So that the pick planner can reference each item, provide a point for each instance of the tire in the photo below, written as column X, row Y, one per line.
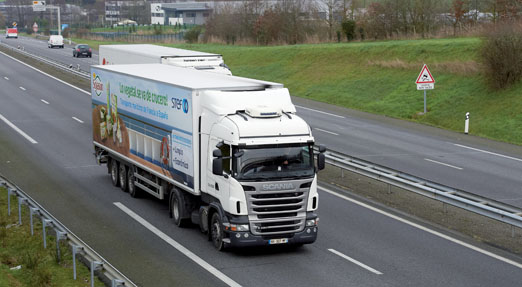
column 178, row 208
column 114, row 172
column 216, row 232
column 133, row 190
column 122, row 172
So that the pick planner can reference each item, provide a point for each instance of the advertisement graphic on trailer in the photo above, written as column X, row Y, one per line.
column 136, row 118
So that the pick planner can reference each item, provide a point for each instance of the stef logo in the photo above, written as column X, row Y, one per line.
column 185, row 106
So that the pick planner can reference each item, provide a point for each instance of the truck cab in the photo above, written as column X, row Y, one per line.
column 260, row 169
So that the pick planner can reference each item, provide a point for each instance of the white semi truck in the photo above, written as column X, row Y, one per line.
column 152, row 54
column 228, row 153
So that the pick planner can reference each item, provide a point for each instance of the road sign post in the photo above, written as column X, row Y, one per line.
column 425, row 81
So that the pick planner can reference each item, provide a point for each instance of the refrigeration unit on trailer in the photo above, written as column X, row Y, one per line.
column 228, row 153
column 152, row 54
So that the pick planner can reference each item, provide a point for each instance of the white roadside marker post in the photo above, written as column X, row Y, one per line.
column 466, row 124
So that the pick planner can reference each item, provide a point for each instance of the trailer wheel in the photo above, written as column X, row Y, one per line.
column 133, row 190
column 123, row 177
column 114, row 172
column 177, row 208
column 216, row 232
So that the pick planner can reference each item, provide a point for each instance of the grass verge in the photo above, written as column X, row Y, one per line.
column 38, row 266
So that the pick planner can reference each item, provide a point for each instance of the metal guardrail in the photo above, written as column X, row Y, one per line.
column 462, row 199
column 65, row 67
column 106, row 272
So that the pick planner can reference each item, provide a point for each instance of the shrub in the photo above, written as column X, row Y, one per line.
column 501, row 53
column 192, row 35
column 348, row 29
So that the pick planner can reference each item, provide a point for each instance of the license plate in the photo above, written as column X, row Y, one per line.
column 278, row 241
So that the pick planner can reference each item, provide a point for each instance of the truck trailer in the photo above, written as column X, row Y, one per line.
column 228, row 153
column 153, row 54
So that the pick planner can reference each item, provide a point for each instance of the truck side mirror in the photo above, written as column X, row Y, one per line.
column 217, row 166
column 321, row 161
column 217, row 162
column 322, row 148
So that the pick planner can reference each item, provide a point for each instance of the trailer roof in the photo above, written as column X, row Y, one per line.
column 148, row 49
column 188, row 78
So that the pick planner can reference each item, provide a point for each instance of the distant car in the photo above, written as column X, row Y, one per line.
column 55, row 41
column 11, row 33
column 81, row 50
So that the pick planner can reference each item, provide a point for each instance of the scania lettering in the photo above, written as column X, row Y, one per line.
column 230, row 154
column 153, row 54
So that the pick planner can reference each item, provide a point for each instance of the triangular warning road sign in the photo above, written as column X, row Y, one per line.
column 425, row 76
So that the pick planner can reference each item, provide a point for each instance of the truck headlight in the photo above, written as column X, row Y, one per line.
column 236, row 227
column 312, row 222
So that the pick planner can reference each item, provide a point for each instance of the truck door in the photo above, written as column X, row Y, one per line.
column 217, row 185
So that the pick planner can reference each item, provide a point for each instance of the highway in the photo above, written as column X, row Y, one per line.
column 65, row 56
column 46, row 148
column 484, row 167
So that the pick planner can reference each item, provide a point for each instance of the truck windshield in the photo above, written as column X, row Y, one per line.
column 273, row 162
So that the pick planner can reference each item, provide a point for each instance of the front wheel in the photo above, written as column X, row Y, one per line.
column 216, row 231
column 114, row 172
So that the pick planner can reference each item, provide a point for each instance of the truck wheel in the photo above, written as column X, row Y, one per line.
column 216, row 232
column 177, row 208
column 133, row 190
column 114, row 172
column 123, row 177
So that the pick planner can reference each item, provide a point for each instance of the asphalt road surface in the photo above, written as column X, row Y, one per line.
column 479, row 166
column 46, row 148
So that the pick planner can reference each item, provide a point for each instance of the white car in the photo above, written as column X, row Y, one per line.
column 55, row 41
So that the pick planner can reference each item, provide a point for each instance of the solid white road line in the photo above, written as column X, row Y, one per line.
column 488, row 152
column 227, row 280
column 78, row 120
column 355, row 262
column 445, row 164
column 436, row 233
column 44, row 101
column 7, row 79
column 17, row 129
column 325, row 131
column 321, row 112
column 44, row 73
column 22, row 88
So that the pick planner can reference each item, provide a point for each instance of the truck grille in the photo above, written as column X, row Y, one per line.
column 277, row 212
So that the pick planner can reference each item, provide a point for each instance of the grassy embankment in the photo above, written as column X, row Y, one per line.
column 378, row 77
column 38, row 265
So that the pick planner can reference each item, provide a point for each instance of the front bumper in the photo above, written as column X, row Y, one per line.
column 245, row 239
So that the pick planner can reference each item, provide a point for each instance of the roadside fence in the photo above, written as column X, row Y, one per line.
column 97, row 264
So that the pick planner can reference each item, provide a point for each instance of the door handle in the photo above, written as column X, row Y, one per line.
column 216, row 186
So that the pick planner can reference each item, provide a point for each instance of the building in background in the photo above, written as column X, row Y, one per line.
column 180, row 13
